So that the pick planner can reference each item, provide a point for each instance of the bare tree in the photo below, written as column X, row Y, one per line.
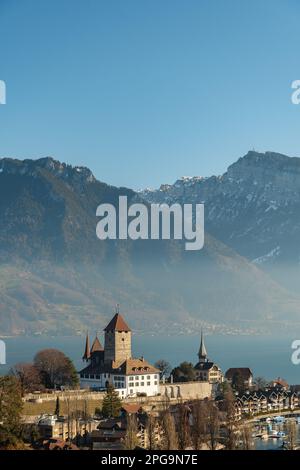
column 213, row 424
column 231, row 423
column 184, row 432
column 199, row 424
column 170, row 438
column 131, row 440
column 55, row 368
column 291, row 435
column 246, row 437
column 260, row 383
column 152, row 430
column 28, row 377
column 164, row 367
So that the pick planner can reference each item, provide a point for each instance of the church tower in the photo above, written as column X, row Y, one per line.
column 202, row 354
column 117, row 345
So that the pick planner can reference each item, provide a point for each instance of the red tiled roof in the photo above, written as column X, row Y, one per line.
column 97, row 346
column 135, row 367
column 117, row 324
column 131, row 408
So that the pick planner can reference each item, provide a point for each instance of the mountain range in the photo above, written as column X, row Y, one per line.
column 57, row 277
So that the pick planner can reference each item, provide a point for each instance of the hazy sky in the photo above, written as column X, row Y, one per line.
column 145, row 91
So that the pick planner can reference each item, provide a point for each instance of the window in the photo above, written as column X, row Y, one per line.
column 98, row 377
column 155, row 382
column 142, row 378
column 142, row 384
column 148, row 377
column 131, row 378
column 131, row 384
column 131, row 392
column 148, row 384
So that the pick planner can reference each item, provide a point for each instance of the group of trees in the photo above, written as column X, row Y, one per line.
column 205, row 424
column 185, row 372
column 50, row 369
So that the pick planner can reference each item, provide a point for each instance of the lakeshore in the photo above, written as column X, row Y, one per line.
column 267, row 356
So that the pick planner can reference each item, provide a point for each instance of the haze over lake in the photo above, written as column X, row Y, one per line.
column 266, row 356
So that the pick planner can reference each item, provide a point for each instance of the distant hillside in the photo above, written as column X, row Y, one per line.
column 57, row 277
column 254, row 207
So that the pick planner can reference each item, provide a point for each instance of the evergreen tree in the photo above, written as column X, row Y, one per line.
column 10, row 412
column 57, row 407
column 111, row 405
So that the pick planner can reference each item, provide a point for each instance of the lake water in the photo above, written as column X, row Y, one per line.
column 266, row 356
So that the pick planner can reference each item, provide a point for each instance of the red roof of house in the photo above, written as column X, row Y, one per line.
column 117, row 324
column 131, row 408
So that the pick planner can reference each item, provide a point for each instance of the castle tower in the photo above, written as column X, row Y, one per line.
column 202, row 354
column 97, row 352
column 117, row 346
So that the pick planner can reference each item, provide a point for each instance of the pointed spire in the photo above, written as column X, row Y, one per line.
column 202, row 351
column 96, row 346
column 87, row 351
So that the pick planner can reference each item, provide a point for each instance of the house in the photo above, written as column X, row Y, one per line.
column 240, row 374
column 109, row 435
column 60, row 427
column 114, row 364
column 58, row 444
column 111, row 432
column 279, row 383
column 269, row 400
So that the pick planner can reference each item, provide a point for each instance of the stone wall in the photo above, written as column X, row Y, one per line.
column 186, row 390
column 174, row 392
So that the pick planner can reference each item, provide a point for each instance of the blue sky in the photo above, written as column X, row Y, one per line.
column 143, row 92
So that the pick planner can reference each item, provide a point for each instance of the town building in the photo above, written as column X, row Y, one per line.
column 111, row 432
column 114, row 365
column 206, row 370
column 64, row 428
column 240, row 375
column 267, row 401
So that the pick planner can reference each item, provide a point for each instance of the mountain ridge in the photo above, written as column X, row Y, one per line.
column 57, row 277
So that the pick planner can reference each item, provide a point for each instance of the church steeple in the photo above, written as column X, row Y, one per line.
column 202, row 354
column 87, row 351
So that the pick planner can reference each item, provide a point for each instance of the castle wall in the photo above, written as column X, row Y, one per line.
column 186, row 390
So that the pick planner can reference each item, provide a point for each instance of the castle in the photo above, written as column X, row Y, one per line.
column 114, row 364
